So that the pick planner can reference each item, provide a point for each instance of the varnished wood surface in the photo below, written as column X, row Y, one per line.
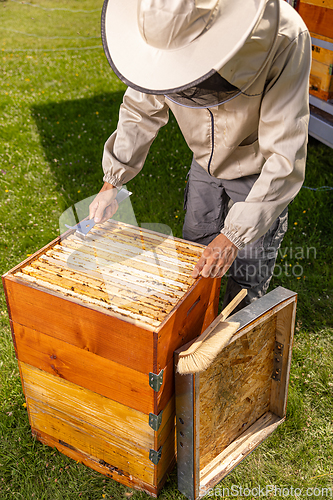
column 97, row 464
column 324, row 56
column 321, row 94
column 117, row 421
column 81, row 367
column 321, row 80
column 213, row 304
column 96, row 330
column 321, row 37
column 51, row 302
column 94, row 441
column 81, row 326
column 167, row 390
column 318, row 19
column 103, row 376
column 166, row 431
column 168, row 459
column 133, row 272
column 188, row 320
column 235, row 390
column 101, row 428
column 107, row 335
column 8, row 303
column 319, row 3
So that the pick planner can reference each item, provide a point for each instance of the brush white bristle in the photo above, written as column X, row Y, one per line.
column 205, row 354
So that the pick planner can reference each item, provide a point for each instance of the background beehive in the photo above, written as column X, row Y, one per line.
column 94, row 323
column 321, row 76
column 318, row 16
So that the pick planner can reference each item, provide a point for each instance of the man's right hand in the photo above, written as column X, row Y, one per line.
column 104, row 206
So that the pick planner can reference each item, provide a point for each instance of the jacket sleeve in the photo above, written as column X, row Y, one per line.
column 140, row 118
column 282, row 135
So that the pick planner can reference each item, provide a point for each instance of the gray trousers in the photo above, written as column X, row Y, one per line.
column 207, row 201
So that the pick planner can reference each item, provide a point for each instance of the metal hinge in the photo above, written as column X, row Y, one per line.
column 277, row 361
column 156, row 381
column 155, row 420
column 155, row 456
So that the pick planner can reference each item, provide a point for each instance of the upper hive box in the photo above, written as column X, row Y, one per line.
column 95, row 324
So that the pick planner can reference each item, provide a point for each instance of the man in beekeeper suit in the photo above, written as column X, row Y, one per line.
column 235, row 75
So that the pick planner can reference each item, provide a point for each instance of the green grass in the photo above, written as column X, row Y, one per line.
column 59, row 102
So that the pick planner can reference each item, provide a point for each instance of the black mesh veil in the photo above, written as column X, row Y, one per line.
column 211, row 92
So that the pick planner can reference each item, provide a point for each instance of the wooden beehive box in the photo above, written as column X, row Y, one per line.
column 321, row 76
column 226, row 411
column 317, row 15
column 95, row 324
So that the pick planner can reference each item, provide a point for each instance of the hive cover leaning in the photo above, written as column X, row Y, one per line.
column 95, row 324
column 226, row 411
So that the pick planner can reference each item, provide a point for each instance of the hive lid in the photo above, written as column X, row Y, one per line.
column 224, row 412
column 136, row 273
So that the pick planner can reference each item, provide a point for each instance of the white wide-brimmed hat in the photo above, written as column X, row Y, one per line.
column 165, row 46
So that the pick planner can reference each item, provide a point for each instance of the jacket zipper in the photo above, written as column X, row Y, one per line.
column 211, row 155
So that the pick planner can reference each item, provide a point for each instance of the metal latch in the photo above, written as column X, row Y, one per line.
column 156, row 381
column 155, row 456
column 155, row 420
column 277, row 361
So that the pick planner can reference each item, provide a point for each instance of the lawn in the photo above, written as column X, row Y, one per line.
column 58, row 104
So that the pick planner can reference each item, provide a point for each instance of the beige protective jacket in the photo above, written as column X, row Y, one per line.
column 262, row 131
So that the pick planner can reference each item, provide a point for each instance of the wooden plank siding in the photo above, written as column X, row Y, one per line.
column 318, row 19
column 104, row 430
column 91, row 321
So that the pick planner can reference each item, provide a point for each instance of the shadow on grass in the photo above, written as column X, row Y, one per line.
column 73, row 134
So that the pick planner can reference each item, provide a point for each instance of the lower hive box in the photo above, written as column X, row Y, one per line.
column 95, row 324
column 226, row 411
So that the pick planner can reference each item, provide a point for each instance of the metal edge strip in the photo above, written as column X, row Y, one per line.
column 269, row 301
column 185, row 421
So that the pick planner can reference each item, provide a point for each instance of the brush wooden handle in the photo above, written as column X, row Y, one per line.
column 234, row 303
column 224, row 314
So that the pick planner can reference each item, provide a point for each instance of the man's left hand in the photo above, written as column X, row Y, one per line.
column 216, row 258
